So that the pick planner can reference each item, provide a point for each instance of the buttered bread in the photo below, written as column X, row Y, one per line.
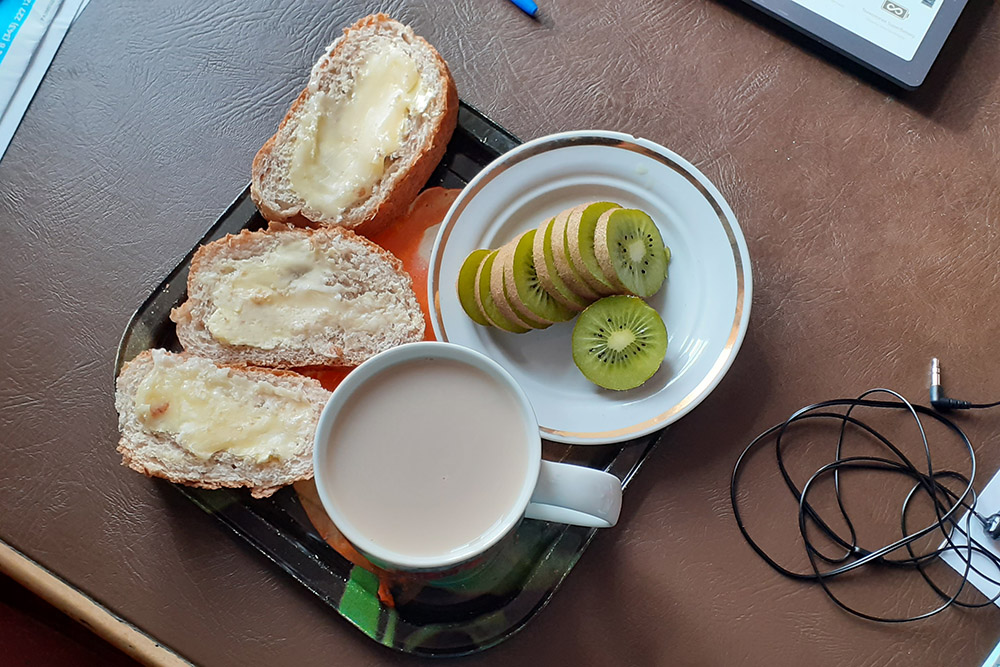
column 290, row 297
column 362, row 139
column 190, row 420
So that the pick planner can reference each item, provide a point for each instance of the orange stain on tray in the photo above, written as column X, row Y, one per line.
column 412, row 239
column 328, row 377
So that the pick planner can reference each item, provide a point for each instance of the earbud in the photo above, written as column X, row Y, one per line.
column 992, row 526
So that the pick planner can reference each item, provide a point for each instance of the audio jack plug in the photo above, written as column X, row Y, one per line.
column 942, row 403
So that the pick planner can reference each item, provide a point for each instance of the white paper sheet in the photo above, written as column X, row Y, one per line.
column 23, row 24
column 15, row 95
column 994, row 658
column 988, row 503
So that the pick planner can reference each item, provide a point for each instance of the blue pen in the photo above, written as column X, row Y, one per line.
column 526, row 6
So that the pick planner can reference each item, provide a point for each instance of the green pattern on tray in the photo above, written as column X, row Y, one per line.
column 449, row 617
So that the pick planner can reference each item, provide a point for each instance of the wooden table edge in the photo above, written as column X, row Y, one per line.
column 86, row 611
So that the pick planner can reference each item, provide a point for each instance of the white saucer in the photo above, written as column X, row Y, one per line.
column 705, row 302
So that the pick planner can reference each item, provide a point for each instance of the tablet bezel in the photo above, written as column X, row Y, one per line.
column 907, row 73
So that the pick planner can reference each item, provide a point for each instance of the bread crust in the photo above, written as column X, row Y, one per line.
column 397, row 189
column 159, row 455
column 343, row 349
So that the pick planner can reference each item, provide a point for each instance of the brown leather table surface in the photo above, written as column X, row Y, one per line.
column 872, row 221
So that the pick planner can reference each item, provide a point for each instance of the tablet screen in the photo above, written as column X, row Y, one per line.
column 898, row 26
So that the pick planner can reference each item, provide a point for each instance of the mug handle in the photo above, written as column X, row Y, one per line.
column 575, row 495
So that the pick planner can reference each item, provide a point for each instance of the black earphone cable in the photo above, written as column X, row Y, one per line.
column 928, row 483
column 980, row 406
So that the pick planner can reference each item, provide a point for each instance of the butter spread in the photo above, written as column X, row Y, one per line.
column 290, row 293
column 207, row 409
column 341, row 143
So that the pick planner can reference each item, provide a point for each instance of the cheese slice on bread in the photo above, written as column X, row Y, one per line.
column 189, row 420
column 291, row 297
column 362, row 139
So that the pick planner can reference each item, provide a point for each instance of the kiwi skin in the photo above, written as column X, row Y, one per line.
column 531, row 301
column 619, row 342
column 581, row 245
column 466, row 287
column 548, row 276
column 561, row 258
column 510, row 284
column 500, row 290
column 484, row 297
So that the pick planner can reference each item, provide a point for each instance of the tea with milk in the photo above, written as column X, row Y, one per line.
column 428, row 457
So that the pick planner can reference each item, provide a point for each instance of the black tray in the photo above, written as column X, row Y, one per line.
column 454, row 617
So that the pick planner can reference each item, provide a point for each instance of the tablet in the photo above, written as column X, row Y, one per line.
column 898, row 39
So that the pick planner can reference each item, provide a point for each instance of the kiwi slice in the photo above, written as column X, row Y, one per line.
column 501, row 288
column 630, row 250
column 467, row 286
column 484, row 297
column 528, row 295
column 580, row 240
column 619, row 342
column 562, row 260
column 541, row 251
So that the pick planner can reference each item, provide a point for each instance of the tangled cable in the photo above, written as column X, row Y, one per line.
column 928, row 483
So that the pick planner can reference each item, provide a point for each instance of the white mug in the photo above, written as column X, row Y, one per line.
column 411, row 492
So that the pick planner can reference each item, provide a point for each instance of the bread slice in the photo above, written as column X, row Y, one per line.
column 291, row 402
column 361, row 140
column 290, row 297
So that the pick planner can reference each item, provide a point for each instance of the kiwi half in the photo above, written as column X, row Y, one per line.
column 580, row 228
column 526, row 292
column 562, row 260
column 467, row 286
column 501, row 289
column 484, row 297
column 630, row 250
column 619, row 342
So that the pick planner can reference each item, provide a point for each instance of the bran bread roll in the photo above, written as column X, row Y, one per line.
column 361, row 140
column 291, row 297
column 191, row 421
